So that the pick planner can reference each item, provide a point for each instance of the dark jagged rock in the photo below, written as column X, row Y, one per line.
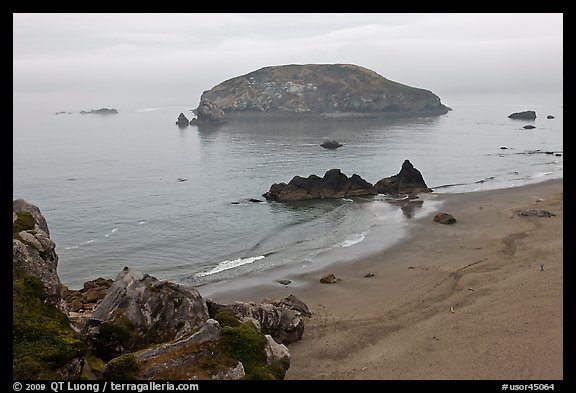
column 330, row 279
column 525, row 115
column 101, row 111
column 444, row 218
column 320, row 90
column 208, row 112
column 333, row 185
column 139, row 309
column 408, row 181
column 331, row 144
column 182, row 120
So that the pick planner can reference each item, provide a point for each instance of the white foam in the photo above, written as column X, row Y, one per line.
column 111, row 232
column 354, row 239
column 226, row 265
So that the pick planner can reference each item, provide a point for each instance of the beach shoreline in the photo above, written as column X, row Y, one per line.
column 478, row 299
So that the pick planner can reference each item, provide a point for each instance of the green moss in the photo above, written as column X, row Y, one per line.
column 24, row 222
column 246, row 344
column 43, row 340
column 226, row 318
column 124, row 367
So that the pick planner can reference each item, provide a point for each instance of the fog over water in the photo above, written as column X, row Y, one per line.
column 82, row 61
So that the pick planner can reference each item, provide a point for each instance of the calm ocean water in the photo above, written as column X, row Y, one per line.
column 109, row 185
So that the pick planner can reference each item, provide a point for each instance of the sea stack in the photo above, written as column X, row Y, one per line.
column 319, row 90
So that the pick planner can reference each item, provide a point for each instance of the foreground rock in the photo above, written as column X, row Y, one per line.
column 136, row 327
column 140, row 310
column 525, row 115
column 408, row 181
column 320, row 89
column 43, row 343
column 334, row 184
column 283, row 319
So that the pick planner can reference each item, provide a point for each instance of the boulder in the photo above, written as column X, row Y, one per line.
column 408, row 181
column 529, row 127
column 525, row 115
column 444, row 218
column 330, row 279
column 280, row 319
column 139, row 310
column 333, row 185
column 550, row 117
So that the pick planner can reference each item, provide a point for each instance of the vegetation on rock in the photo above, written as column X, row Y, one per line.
column 43, row 341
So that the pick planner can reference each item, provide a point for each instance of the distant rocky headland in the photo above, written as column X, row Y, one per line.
column 101, row 111
column 323, row 90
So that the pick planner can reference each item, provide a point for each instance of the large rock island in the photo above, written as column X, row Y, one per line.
column 320, row 89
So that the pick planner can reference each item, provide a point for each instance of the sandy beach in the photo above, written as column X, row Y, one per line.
column 481, row 299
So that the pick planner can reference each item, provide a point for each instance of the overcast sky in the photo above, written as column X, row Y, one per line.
column 134, row 60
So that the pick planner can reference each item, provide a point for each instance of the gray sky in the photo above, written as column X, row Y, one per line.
column 85, row 61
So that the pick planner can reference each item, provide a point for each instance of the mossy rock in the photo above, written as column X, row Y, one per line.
column 246, row 344
column 226, row 318
column 124, row 367
column 24, row 222
column 43, row 341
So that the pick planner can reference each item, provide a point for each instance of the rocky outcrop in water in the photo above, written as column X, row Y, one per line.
column 408, row 181
column 333, row 185
column 525, row 115
column 182, row 120
column 101, row 111
column 319, row 89
column 331, row 145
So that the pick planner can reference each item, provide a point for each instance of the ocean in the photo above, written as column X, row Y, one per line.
column 133, row 189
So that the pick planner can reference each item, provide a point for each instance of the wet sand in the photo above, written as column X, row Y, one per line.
column 481, row 299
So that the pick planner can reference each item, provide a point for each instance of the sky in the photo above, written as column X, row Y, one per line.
column 127, row 61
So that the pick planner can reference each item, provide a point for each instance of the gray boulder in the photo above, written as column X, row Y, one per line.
column 139, row 310
column 283, row 323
